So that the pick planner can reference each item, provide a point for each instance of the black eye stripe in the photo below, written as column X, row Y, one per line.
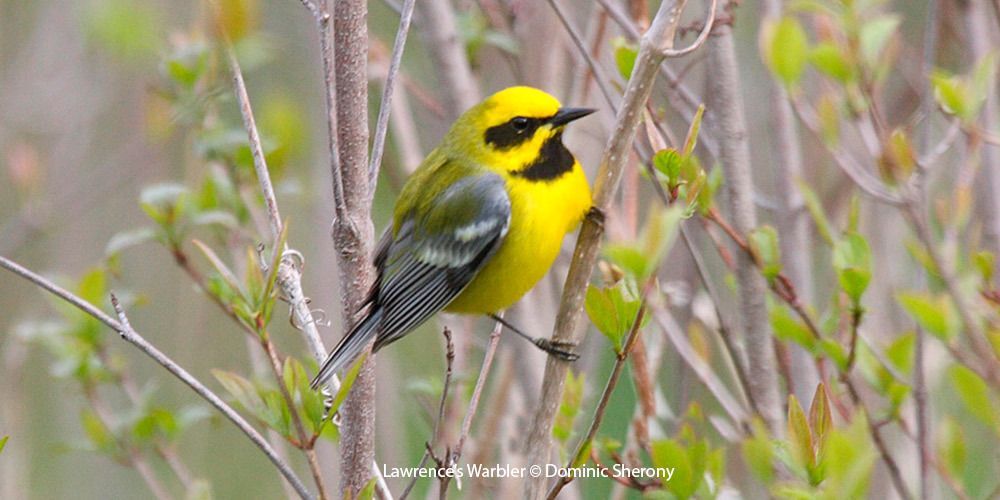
column 508, row 134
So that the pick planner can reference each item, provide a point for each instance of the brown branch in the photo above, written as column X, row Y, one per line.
column 657, row 40
column 353, row 234
column 382, row 122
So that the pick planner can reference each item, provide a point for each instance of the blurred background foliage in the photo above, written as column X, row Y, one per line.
column 125, row 167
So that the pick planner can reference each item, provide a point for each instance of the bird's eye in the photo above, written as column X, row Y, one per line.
column 520, row 123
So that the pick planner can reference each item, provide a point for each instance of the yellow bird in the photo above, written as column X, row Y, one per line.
column 478, row 224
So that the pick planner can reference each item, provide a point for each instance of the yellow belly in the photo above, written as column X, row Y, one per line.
column 541, row 215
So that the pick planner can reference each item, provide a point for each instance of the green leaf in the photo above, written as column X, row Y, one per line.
column 691, row 140
column 3, row 442
column 852, row 260
column 625, row 54
column 766, row 251
column 951, row 447
column 93, row 286
column 368, row 492
column 985, row 263
column 128, row 29
column 789, row 328
column 347, row 383
column 934, row 314
column 242, row 390
column 816, row 210
column 668, row 162
column 787, row 50
column 97, row 432
column 874, row 36
column 639, row 260
column 799, row 435
column 155, row 423
column 821, row 425
column 850, row 457
column 161, row 201
column 831, row 60
column 612, row 312
column 951, row 94
column 976, row 396
column 670, row 453
column 758, row 453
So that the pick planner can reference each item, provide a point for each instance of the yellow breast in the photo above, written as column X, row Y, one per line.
column 541, row 215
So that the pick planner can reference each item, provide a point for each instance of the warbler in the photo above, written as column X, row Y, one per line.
column 479, row 222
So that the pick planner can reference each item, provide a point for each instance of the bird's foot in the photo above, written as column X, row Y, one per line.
column 560, row 349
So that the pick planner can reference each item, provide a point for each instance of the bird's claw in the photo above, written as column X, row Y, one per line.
column 558, row 348
column 596, row 216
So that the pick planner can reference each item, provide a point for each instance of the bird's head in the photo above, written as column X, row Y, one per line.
column 513, row 129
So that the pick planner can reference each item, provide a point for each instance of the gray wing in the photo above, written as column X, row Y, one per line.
column 435, row 255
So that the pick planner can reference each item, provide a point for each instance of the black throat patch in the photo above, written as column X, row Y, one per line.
column 553, row 161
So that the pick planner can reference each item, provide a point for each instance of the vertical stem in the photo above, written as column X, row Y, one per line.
column 919, row 382
column 727, row 108
column 653, row 47
column 353, row 233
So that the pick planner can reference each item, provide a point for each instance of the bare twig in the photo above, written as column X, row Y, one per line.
column 657, row 40
column 382, row 123
column 133, row 337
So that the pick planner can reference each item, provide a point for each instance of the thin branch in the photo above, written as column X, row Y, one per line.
column 133, row 337
column 382, row 123
column 449, row 362
column 491, row 349
column 919, row 380
column 602, row 405
column 895, row 476
column 698, row 42
column 657, row 40
column 305, row 439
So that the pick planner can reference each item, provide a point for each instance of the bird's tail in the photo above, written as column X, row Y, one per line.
column 349, row 347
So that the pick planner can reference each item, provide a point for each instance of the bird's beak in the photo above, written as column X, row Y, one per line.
column 566, row 115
